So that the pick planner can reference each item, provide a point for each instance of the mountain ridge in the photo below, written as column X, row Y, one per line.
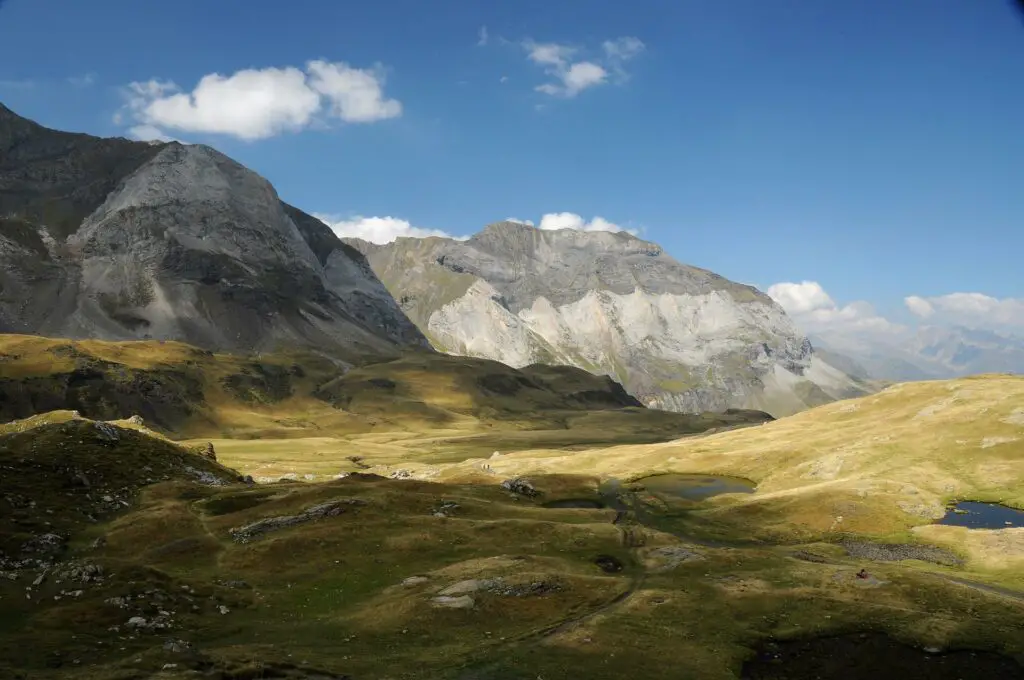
column 120, row 240
column 677, row 336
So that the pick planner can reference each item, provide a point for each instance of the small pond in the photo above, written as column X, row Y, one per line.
column 873, row 656
column 588, row 503
column 695, row 487
column 975, row 515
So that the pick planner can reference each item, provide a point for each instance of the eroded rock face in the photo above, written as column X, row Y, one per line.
column 677, row 337
column 113, row 239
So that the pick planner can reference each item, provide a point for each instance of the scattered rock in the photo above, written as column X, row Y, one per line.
column 520, row 486
column 208, row 451
column 137, row 420
column 445, row 509
column 808, row 556
column 236, row 585
column 414, row 580
column 669, row 557
column 926, row 510
column 893, row 552
column 1015, row 418
column 400, row 474
column 328, row 509
column 530, row 589
column 105, row 432
column 989, row 442
column 469, row 586
column 204, row 477
column 461, row 602
column 609, row 564
column 47, row 544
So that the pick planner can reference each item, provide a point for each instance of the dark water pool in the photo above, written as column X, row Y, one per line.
column 695, row 487
column 588, row 503
column 975, row 515
column 873, row 656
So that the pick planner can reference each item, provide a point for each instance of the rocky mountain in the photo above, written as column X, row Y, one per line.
column 115, row 239
column 677, row 337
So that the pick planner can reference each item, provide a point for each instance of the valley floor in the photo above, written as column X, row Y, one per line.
column 519, row 554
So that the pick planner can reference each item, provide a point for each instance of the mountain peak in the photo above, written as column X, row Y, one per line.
column 511, row 234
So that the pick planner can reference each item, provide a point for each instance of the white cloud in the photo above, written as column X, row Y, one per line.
column 800, row 298
column 918, row 306
column 379, row 229
column 814, row 310
column 572, row 77
column 623, row 49
column 353, row 95
column 548, row 54
column 568, row 220
column 528, row 223
column 482, row 37
column 258, row 103
column 974, row 310
column 503, row 79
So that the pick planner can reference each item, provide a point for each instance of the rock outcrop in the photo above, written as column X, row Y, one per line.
column 677, row 337
column 114, row 239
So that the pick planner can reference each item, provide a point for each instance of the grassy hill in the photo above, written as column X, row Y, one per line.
column 426, row 405
column 884, row 466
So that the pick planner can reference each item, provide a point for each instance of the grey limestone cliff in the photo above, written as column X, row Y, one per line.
column 114, row 239
column 678, row 337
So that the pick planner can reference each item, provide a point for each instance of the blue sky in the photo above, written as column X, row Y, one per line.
column 874, row 149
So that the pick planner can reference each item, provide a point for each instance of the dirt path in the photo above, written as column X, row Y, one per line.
column 984, row 587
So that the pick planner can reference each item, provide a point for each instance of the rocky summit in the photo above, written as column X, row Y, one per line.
column 115, row 239
column 676, row 336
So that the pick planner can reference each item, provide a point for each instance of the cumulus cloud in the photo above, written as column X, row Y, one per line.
column 800, row 298
column 568, row 220
column 379, row 229
column 259, row 103
column 974, row 310
column 814, row 310
column 918, row 306
column 572, row 76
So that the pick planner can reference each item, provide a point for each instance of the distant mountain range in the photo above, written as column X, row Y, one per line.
column 929, row 352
